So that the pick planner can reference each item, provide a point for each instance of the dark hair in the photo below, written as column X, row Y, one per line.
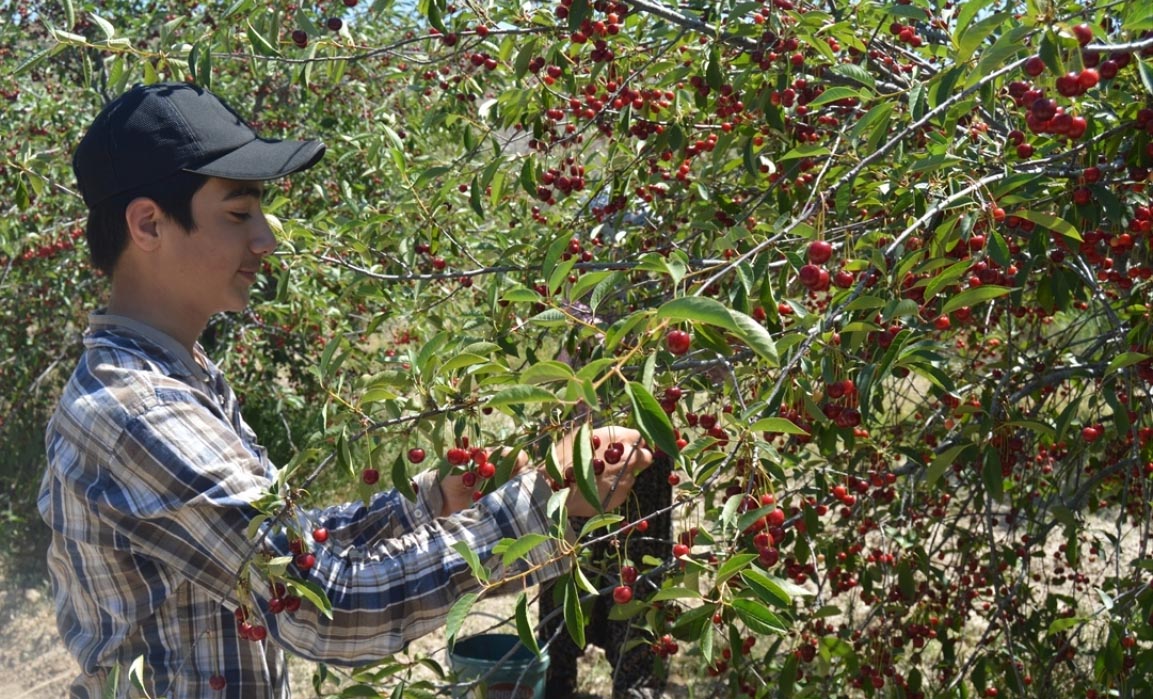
column 107, row 229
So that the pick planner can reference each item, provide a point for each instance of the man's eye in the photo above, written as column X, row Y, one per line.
column 241, row 215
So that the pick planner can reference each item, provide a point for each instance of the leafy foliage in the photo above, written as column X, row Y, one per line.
column 909, row 243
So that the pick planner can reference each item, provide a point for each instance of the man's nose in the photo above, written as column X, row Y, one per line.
column 264, row 238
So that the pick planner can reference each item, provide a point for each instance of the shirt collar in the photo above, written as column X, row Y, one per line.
column 101, row 321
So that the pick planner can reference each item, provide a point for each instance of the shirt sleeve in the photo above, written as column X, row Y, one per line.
column 183, row 497
column 388, row 514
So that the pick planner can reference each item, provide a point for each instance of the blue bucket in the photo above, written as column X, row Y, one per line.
column 481, row 659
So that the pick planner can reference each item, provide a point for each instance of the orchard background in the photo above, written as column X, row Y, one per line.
column 875, row 275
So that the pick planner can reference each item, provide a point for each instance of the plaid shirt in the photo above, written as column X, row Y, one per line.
column 148, row 489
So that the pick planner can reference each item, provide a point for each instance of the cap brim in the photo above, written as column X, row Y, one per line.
column 262, row 159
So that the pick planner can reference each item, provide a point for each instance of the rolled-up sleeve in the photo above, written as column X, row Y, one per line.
column 391, row 573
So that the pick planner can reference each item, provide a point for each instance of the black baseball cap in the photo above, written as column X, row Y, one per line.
column 153, row 131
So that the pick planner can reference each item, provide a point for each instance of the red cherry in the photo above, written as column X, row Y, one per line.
column 320, row 535
column 1077, row 126
column 1090, row 434
column 217, row 682
column 622, row 594
column 1034, row 66
column 305, row 561
column 1084, row 33
column 370, row 476
column 416, row 455
column 820, row 251
column 678, row 342
column 486, row 470
column 809, row 276
column 628, row 575
column 457, row 456
column 680, row 550
column 1088, row 78
column 1068, row 85
column 257, row 633
column 1082, row 196
column 300, row 38
column 334, row 24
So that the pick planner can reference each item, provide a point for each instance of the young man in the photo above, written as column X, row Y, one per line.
column 152, row 470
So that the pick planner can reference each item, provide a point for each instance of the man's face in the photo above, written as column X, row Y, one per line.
column 213, row 267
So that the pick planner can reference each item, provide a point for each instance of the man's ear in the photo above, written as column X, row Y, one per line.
column 143, row 217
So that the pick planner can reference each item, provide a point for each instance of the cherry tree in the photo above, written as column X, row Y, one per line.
column 874, row 277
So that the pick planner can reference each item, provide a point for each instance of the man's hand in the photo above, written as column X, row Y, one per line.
column 458, row 496
column 616, row 481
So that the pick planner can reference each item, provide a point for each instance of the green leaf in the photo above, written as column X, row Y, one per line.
column 463, row 360
column 400, row 479
column 520, row 394
column 675, row 593
column 1145, row 70
column 834, row 94
column 735, row 564
column 204, row 67
column 713, row 76
column 805, row 151
column 238, row 6
column 698, row 308
column 1139, row 18
column 1049, row 49
column 574, row 618
column 545, row 371
column 474, row 195
column 310, row 591
column 136, row 672
column 586, row 480
column 767, row 589
column 105, row 26
column 943, row 461
column 778, row 425
column 150, row 74
column 877, row 117
column 753, row 334
column 1066, row 623
column 856, row 73
column 652, row 421
column 458, row 613
column 600, row 521
column 974, row 296
column 344, row 454
column 1125, row 359
column 520, row 294
column 472, row 559
column 524, row 628
column 1009, row 45
column 1053, row 223
column 758, row 617
column 260, row 44
column 969, row 40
